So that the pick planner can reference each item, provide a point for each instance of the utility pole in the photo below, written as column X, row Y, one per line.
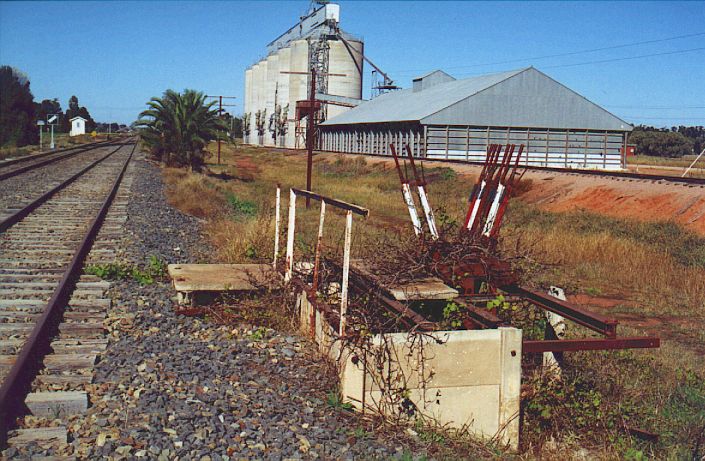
column 310, row 107
column 220, row 113
column 310, row 132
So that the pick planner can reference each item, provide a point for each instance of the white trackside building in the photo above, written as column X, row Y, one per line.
column 78, row 126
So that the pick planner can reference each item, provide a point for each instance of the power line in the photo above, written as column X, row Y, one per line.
column 601, row 61
column 654, row 107
column 624, row 59
column 571, row 53
column 664, row 118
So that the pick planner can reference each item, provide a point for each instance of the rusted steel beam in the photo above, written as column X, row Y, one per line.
column 363, row 283
column 481, row 317
column 334, row 202
column 596, row 322
column 367, row 285
column 589, row 344
column 301, row 286
column 18, row 381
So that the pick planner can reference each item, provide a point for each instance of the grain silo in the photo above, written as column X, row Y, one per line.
column 275, row 83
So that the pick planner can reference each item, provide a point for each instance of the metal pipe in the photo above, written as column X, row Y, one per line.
column 691, row 165
column 319, row 242
column 290, row 237
column 346, row 273
column 277, row 219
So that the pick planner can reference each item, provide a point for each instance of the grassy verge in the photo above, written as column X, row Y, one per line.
column 684, row 161
column 652, row 274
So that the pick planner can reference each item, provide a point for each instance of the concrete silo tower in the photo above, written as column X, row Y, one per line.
column 276, row 82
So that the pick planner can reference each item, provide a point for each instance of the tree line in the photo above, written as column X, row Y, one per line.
column 19, row 112
column 672, row 142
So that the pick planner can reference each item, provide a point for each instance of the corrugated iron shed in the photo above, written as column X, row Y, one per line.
column 520, row 98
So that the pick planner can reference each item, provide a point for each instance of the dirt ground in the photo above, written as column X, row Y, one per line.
column 616, row 197
column 624, row 198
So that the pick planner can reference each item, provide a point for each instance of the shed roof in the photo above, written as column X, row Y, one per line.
column 521, row 98
column 437, row 71
column 78, row 116
column 405, row 105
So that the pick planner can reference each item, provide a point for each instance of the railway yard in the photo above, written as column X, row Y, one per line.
column 110, row 369
column 385, row 235
column 166, row 386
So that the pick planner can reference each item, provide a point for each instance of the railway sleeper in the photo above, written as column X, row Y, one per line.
column 45, row 437
column 81, row 330
column 10, row 346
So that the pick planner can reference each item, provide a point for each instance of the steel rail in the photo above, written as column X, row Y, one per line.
column 27, row 158
column 596, row 322
column 585, row 172
column 367, row 284
column 75, row 151
column 18, row 381
column 20, row 214
column 331, row 201
column 589, row 344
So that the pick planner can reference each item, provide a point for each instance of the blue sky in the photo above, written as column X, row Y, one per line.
column 115, row 55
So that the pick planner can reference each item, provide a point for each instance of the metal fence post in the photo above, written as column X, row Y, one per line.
column 290, row 237
column 319, row 244
column 277, row 219
column 346, row 273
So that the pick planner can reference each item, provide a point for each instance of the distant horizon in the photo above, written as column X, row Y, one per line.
column 641, row 61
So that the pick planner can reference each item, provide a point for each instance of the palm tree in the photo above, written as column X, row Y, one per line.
column 178, row 126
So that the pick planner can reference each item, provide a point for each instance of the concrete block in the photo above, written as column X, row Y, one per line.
column 472, row 379
column 57, row 404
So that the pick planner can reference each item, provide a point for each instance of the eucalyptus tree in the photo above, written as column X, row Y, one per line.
column 177, row 127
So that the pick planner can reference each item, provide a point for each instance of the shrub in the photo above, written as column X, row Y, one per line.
column 240, row 207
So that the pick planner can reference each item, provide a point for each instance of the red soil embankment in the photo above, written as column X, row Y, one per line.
column 622, row 198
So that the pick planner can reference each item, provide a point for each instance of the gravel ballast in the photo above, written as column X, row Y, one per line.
column 177, row 387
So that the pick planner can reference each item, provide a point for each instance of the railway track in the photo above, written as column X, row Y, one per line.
column 617, row 175
column 51, row 315
column 17, row 166
column 38, row 178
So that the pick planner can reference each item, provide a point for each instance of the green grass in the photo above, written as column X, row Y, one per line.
column 684, row 161
column 684, row 246
column 334, row 401
column 154, row 269
column 239, row 207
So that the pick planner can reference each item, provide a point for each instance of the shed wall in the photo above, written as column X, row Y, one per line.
column 564, row 148
column 372, row 138
column 547, row 147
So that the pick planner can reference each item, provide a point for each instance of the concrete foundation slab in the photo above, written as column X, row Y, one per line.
column 199, row 282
